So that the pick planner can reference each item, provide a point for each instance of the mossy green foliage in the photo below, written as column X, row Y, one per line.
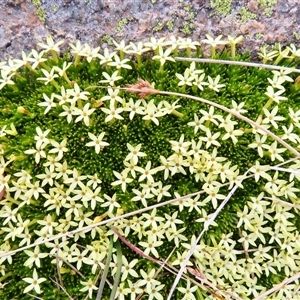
column 242, row 84
column 187, row 28
column 296, row 35
column 266, row 3
column 188, row 7
column 107, row 39
column 246, row 15
column 41, row 14
column 158, row 26
column 122, row 23
column 221, row 6
column 54, row 8
column 170, row 25
column 36, row 2
column 187, row 18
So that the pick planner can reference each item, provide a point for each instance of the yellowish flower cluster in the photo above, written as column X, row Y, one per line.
column 73, row 153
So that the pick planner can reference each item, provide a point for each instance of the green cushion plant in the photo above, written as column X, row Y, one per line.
column 127, row 173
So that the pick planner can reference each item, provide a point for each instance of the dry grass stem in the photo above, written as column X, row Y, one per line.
column 237, row 63
column 283, row 202
column 165, row 265
column 143, row 88
column 159, row 270
column 58, row 268
column 71, row 266
column 60, row 286
column 206, row 225
column 35, row 297
column 278, row 287
column 70, row 233
column 239, row 116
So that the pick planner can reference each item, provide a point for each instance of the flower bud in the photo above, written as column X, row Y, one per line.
column 297, row 83
column 23, row 110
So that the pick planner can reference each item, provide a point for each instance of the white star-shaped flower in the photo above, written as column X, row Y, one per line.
column 97, row 141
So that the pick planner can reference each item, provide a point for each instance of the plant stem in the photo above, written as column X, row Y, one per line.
column 239, row 116
column 238, row 63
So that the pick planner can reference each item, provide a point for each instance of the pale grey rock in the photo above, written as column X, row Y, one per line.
column 91, row 21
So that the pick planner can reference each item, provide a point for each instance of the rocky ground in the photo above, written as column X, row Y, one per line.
column 23, row 23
